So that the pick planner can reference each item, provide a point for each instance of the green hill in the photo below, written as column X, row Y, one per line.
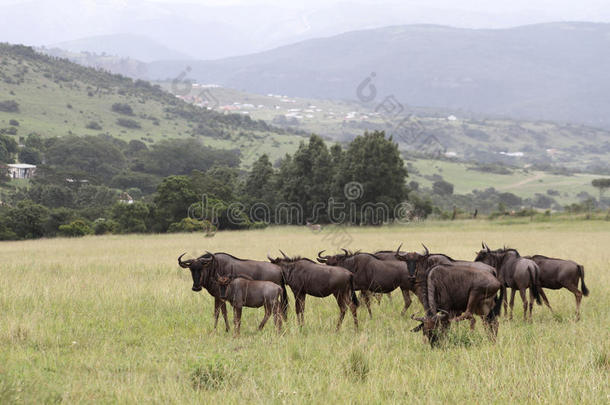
column 510, row 142
column 55, row 97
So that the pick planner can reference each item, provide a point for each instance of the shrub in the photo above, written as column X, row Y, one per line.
column 186, row 225
column 94, row 125
column 102, row 226
column 122, row 108
column 9, row 106
column 128, row 123
column 14, row 123
column 75, row 228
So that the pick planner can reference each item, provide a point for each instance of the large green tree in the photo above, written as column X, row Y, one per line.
column 371, row 172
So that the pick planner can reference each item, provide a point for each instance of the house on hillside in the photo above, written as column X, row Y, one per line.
column 21, row 170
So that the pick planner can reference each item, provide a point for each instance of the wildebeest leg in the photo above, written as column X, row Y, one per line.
column 491, row 327
column 366, row 297
column 341, row 298
column 237, row 319
column 524, row 299
column 512, row 302
column 216, row 311
column 531, row 305
column 578, row 295
column 268, row 309
column 299, row 304
column 278, row 316
column 546, row 301
column 505, row 300
column 407, row 297
column 354, row 310
column 223, row 309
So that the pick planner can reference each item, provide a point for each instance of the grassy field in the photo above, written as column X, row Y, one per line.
column 112, row 319
column 524, row 183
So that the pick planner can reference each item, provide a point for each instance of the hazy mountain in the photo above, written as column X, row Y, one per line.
column 556, row 71
column 243, row 26
column 124, row 45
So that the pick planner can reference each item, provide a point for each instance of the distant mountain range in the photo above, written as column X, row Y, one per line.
column 555, row 71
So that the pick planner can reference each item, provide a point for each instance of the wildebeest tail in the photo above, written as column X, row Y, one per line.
column 284, row 302
column 534, row 270
column 354, row 298
column 495, row 311
column 583, row 287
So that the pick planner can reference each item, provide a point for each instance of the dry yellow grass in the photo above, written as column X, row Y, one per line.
column 113, row 319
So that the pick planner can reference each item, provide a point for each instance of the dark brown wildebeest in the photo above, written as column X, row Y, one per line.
column 307, row 277
column 514, row 272
column 559, row 273
column 453, row 292
column 241, row 291
column 224, row 264
column 371, row 274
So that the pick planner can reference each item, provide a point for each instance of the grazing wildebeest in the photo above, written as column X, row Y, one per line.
column 371, row 274
column 453, row 292
column 307, row 277
column 224, row 264
column 242, row 291
column 559, row 273
column 514, row 272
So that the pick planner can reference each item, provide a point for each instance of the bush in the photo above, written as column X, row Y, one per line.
column 128, row 123
column 187, row 225
column 14, row 123
column 102, row 226
column 94, row 125
column 122, row 108
column 30, row 156
column 9, row 106
column 75, row 229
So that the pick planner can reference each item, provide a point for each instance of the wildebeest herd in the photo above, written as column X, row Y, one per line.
column 449, row 290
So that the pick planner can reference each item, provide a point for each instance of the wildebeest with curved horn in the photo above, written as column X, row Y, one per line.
column 514, row 272
column 371, row 274
column 453, row 292
column 559, row 273
column 224, row 264
column 305, row 277
column 242, row 291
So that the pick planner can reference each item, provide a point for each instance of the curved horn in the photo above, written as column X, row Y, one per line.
column 398, row 250
column 320, row 253
column 180, row 262
column 283, row 254
column 269, row 257
column 426, row 249
column 345, row 251
column 487, row 248
column 483, row 244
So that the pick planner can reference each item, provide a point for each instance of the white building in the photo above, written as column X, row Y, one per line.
column 21, row 170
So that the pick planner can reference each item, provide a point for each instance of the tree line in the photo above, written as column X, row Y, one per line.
column 100, row 184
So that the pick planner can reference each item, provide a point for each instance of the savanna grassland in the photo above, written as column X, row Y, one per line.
column 112, row 319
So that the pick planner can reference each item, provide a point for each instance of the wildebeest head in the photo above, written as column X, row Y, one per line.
column 199, row 268
column 430, row 325
column 334, row 260
column 414, row 260
column 487, row 256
